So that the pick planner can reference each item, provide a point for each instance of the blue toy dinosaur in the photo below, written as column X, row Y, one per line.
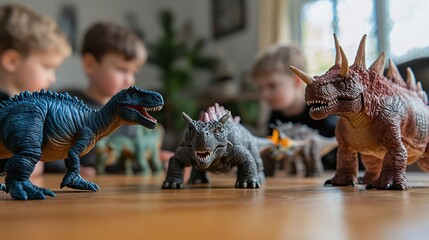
column 216, row 143
column 48, row 126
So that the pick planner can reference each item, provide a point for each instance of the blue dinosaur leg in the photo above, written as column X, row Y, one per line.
column 198, row 176
column 2, row 166
column 18, row 169
column 72, row 179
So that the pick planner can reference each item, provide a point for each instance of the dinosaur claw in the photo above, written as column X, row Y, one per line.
column 24, row 190
column 3, row 187
column 20, row 196
column 165, row 185
column 342, row 180
column 173, row 183
column 328, row 182
column 390, row 182
column 49, row 192
column 75, row 181
column 248, row 184
column 39, row 195
column 93, row 187
column 400, row 186
column 351, row 183
column 65, row 182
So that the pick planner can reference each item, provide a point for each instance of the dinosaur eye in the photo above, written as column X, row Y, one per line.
column 341, row 85
column 217, row 129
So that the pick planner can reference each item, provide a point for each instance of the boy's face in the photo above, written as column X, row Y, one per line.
column 112, row 73
column 279, row 90
column 37, row 71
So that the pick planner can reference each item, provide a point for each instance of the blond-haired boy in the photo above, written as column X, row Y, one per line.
column 31, row 48
column 284, row 91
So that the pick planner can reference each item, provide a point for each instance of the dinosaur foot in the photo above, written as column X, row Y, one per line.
column 389, row 182
column 248, row 183
column 368, row 178
column 3, row 187
column 75, row 181
column 173, row 183
column 342, row 180
column 24, row 190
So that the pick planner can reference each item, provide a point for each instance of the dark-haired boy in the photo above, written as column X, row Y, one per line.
column 111, row 55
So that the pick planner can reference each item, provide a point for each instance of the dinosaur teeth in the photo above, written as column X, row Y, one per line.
column 202, row 155
column 316, row 102
column 154, row 108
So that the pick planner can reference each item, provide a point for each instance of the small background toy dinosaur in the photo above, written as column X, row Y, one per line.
column 300, row 149
column 131, row 155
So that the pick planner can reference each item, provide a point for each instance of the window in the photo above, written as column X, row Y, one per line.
column 396, row 27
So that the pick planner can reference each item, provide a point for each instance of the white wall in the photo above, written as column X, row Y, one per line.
column 239, row 48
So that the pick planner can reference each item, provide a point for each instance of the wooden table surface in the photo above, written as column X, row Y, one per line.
column 134, row 207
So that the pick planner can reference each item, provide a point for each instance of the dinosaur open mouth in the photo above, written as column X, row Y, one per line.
column 144, row 111
column 202, row 155
column 320, row 105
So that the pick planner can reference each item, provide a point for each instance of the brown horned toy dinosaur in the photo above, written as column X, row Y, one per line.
column 385, row 119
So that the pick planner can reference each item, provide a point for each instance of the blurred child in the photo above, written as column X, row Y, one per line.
column 111, row 56
column 284, row 91
column 32, row 47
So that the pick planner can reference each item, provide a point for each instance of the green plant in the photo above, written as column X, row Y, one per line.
column 178, row 56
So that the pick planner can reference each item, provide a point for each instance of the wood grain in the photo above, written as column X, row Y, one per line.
column 286, row 208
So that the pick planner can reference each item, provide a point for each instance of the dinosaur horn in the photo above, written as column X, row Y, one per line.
column 225, row 117
column 393, row 73
column 360, row 56
column 423, row 95
column 337, row 51
column 378, row 65
column 419, row 86
column 344, row 64
column 304, row 76
column 411, row 79
column 186, row 118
